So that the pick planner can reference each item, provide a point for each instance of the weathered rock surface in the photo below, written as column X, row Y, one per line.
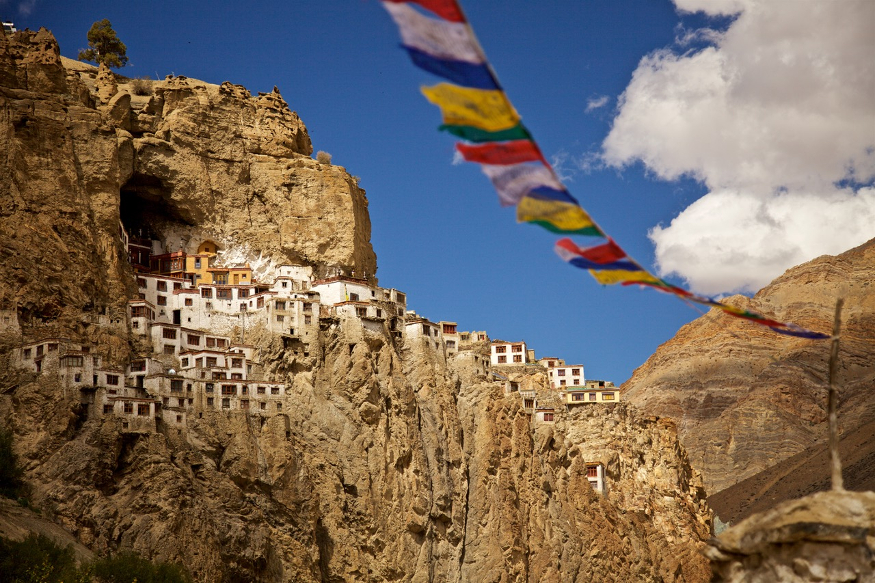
column 828, row 536
column 746, row 398
column 388, row 465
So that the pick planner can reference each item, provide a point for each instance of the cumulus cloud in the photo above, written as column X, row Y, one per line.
column 596, row 102
column 777, row 118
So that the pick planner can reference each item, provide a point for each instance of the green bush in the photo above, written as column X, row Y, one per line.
column 10, row 472
column 37, row 559
column 129, row 568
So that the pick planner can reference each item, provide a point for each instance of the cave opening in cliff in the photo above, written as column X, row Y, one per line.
column 147, row 208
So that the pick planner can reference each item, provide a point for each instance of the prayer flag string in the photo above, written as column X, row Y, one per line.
column 476, row 109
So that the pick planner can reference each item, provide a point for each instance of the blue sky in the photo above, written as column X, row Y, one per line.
column 437, row 228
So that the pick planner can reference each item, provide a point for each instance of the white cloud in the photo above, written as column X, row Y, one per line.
column 596, row 102
column 770, row 117
column 26, row 7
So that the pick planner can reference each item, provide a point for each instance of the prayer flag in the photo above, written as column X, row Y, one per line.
column 462, row 72
column 556, row 217
column 606, row 253
column 515, row 181
column 477, row 135
column 487, row 110
column 623, row 276
column 501, row 153
column 446, row 9
column 438, row 38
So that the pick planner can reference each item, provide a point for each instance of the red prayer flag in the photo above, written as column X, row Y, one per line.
column 501, row 153
column 446, row 9
column 607, row 253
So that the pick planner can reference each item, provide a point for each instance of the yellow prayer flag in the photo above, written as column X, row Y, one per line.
column 609, row 277
column 488, row 110
column 556, row 216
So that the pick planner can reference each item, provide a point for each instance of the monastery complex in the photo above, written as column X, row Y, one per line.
column 192, row 317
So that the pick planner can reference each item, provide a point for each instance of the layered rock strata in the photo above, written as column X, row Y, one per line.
column 746, row 398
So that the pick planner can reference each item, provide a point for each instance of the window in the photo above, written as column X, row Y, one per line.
column 188, row 387
column 562, row 383
column 242, row 306
column 223, row 294
column 528, row 403
column 361, row 312
column 285, row 284
column 107, row 408
column 280, row 318
column 189, row 302
column 177, row 285
column 279, row 406
column 274, row 390
column 73, row 360
column 197, row 262
column 576, row 381
column 502, row 359
column 211, row 361
column 262, row 406
column 592, row 396
column 517, row 348
column 220, row 343
column 236, row 363
column 575, row 372
column 452, row 344
column 77, row 378
column 208, row 387
column 169, row 333
column 607, row 396
column 244, row 404
column 517, row 357
column 280, row 305
column 592, row 471
column 179, row 418
column 218, row 376
column 226, row 403
column 560, row 372
column 194, row 340
column 162, row 285
column 548, row 416
column 578, row 397
column 141, row 282
column 39, row 350
column 308, row 306
column 236, row 376
column 27, row 353
column 206, row 292
column 129, row 408
column 210, row 401
column 176, row 385
column 260, row 390
column 308, row 319
column 185, row 362
column 112, row 379
column 229, row 389
column 353, row 297
column 180, row 402
column 449, row 329
column 500, row 349
column 242, row 293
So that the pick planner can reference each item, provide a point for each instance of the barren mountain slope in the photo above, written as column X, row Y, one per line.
column 746, row 398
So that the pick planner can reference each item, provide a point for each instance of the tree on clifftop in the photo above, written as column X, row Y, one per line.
column 104, row 46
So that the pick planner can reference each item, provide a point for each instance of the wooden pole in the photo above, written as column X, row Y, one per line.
column 837, row 482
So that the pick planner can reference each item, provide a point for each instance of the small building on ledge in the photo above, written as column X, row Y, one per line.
column 592, row 392
column 507, row 353
column 595, row 474
column 562, row 376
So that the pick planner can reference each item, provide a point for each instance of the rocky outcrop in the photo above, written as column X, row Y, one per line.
column 745, row 398
column 191, row 161
column 385, row 462
column 828, row 536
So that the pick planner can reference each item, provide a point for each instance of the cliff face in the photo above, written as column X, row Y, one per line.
column 191, row 161
column 745, row 398
column 385, row 462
